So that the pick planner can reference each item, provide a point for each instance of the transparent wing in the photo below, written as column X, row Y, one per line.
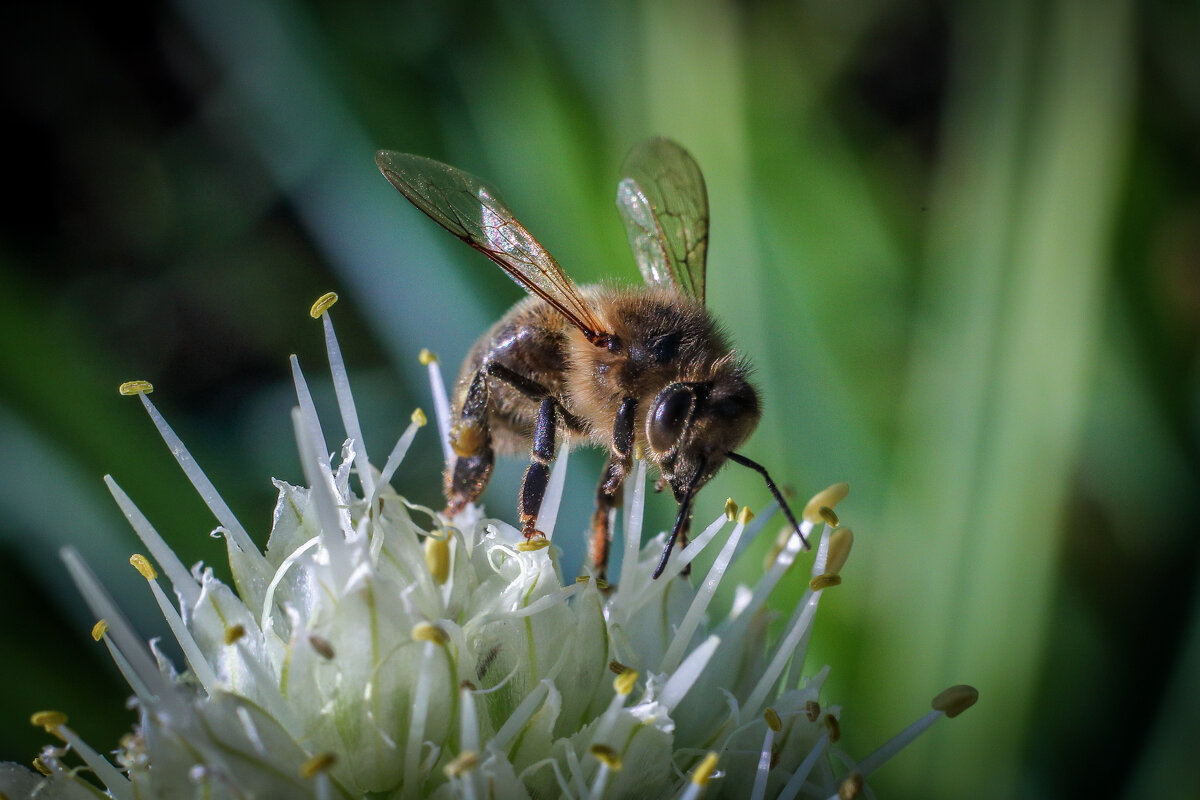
column 472, row 211
column 664, row 204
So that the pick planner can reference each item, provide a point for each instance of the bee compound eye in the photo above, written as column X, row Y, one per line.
column 668, row 416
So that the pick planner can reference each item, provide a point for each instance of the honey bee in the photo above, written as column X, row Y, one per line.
column 643, row 369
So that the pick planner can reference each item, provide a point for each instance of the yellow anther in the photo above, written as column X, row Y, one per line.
column 826, row 498
column 464, row 761
column 607, row 756
column 418, row 417
column 619, row 668
column 601, row 584
column 830, row 516
column 323, row 304
column 956, row 700
column 851, row 787
column 745, row 515
column 533, row 544
column 234, row 632
column 812, row 709
column 773, row 720
column 425, row 632
column 704, row 770
column 99, row 629
column 315, row 765
column 825, row 581
column 835, row 728
column 48, row 720
column 731, row 509
column 41, row 767
column 322, row 647
column 839, row 550
column 778, row 546
column 427, row 357
column 143, row 565
column 639, row 452
column 437, row 558
column 623, row 683
column 130, row 388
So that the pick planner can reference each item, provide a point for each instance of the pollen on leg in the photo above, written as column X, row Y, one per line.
column 466, row 439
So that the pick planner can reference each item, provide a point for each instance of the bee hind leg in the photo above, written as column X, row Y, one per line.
column 608, row 496
column 470, row 468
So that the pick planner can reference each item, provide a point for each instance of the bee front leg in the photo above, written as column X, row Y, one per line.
column 608, row 494
column 533, row 487
column 468, row 472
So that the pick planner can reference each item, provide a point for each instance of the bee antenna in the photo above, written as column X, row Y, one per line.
column 685, row 512
column 761, row 470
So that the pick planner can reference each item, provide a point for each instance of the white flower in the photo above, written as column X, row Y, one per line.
column 379, row 650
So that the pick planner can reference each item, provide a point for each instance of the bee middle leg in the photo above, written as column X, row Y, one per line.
column 608, row 493
column 537, row 476
column 470, row 439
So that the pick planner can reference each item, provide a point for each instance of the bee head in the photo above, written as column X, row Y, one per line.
column 692, row 426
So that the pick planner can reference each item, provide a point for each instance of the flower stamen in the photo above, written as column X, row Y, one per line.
column 774, row 725
column 827, row 498
column 317, row 764
column 131, row 388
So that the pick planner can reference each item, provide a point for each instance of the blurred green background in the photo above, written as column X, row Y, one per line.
column 961, row 242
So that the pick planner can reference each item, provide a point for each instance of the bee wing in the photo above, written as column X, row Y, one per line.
column 471, row 210
column 664, row 204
